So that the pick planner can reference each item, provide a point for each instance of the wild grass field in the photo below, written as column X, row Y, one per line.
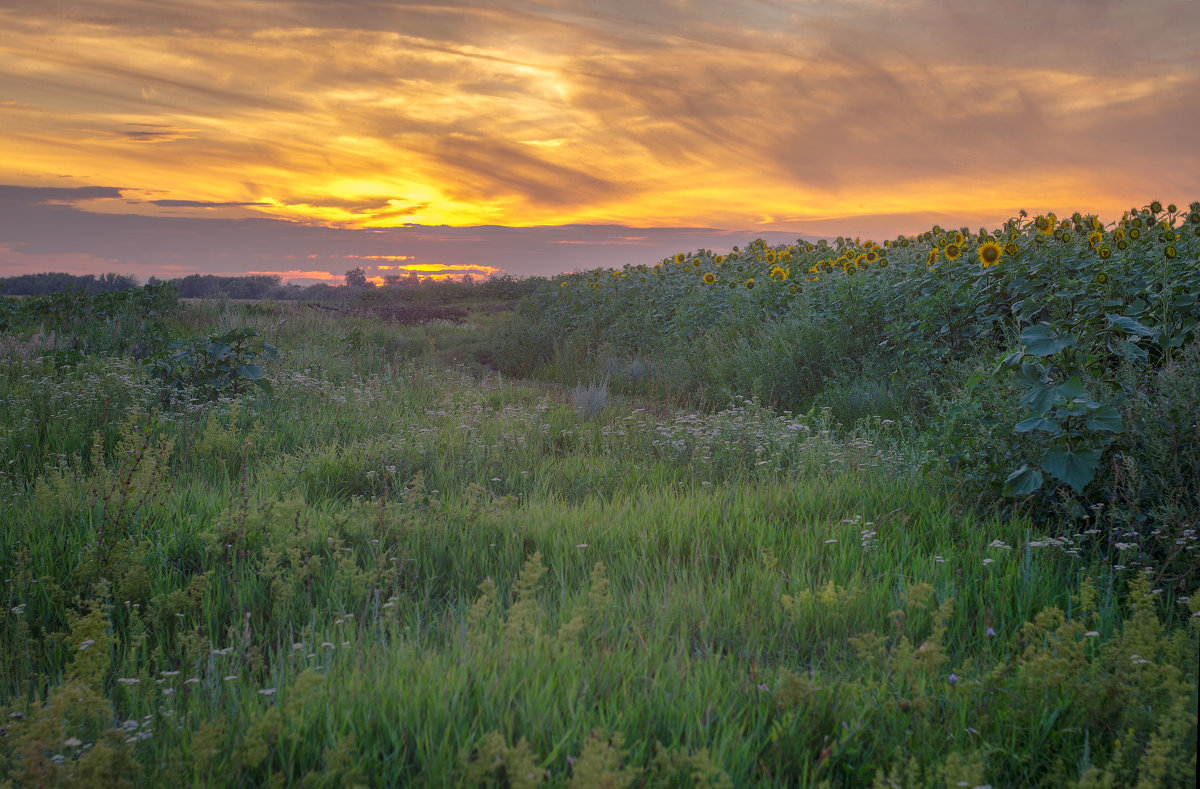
column 920, row 513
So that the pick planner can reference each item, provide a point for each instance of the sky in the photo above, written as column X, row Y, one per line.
column 308, row 137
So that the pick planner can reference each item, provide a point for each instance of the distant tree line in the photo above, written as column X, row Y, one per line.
column 270, row 286
column 42, row 284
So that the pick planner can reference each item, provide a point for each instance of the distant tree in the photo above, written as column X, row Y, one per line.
column 356, row 278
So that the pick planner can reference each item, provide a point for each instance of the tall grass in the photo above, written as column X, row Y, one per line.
column 400, row 569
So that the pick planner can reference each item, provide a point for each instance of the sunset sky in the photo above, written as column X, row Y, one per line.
column 307, row 137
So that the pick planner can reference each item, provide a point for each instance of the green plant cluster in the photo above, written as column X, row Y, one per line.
column 222, row 363
column 100, row 323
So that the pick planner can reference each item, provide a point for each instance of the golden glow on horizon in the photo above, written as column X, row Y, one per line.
column 533, row 118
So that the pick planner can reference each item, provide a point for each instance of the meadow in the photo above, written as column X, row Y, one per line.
column 901, row 514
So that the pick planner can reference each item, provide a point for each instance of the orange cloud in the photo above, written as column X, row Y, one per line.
column 324, row 276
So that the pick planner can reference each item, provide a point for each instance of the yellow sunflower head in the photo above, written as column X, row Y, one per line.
column 771, row 257
column 872, row 256
column 989, row 253
column 679, row 258
column 1170, row 251
column 750, row 284
column 953, row 251
column 710, row 278
column 933, row 256
column 1095, row 238
column 1011, row 248
column 1043, row 225
column 1105, row 253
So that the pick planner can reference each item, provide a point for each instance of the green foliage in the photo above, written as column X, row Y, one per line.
column 101, row 322
column 223, row 363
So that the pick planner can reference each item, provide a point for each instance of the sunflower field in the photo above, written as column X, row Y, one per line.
column 1027, row 355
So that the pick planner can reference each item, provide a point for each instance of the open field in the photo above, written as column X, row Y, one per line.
column 640, row 534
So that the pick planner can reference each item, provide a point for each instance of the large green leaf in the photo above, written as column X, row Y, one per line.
column 1023, row 481
column 1130, row 325
column 1039, row 398
column 1042, row 340
column 1075, row 468
column 1106, row 418
column 1038, row 423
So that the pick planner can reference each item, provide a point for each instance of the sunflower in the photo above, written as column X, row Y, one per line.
column 1095, row 238
column 953, row 251
column 872, row 256
column 1011, row 248
column 883, row 262
column 958, row 237
column 679, row 258
column 1156, row 207
column 719, row 259
column 750, row 284
column 933, row 256
column 710, row 278
column 860, row 261
column 989, row 253
column 780, row 274
column 1065, row 235
column 1135, row 233
column 1172, row 208
column 792, row 289
column 1118, row 234
column 1102, row 278
column 1044, row 225
column 1105, row 254
column 1122, row 244
column 1170, row 236
column 1170, row 251
column 771, row 257
column 1194, row 217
